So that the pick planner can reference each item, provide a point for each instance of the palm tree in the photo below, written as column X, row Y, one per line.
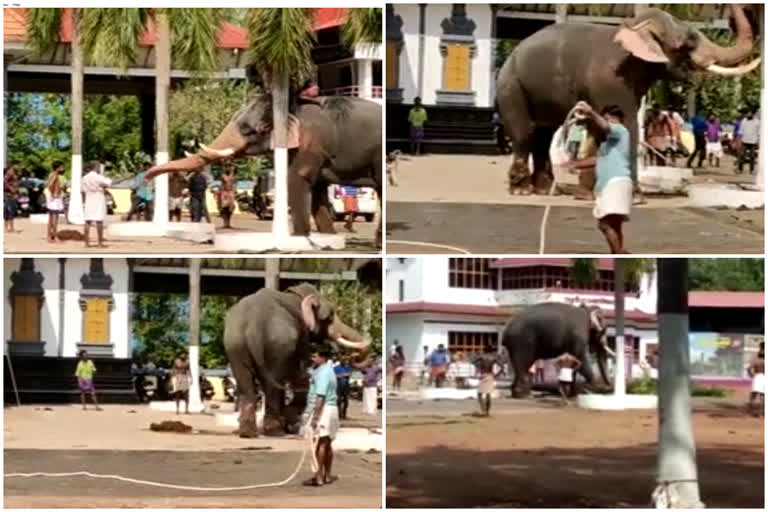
column 281, row 41
column 678, row 486
column 363, row 27
column 43, row 26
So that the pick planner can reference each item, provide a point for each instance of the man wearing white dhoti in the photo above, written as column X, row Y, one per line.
column 93, row 185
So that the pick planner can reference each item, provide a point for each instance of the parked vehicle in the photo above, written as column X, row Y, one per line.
column 345, row 199
column 22, row 203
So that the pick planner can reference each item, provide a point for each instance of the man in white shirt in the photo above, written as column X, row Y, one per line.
column 750, row 137
column 93, row 185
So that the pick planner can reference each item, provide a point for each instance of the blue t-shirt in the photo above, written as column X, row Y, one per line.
column 438, row 358
column 699, row 124
column 343, row 369
column 613, row 156
column 144, row 190
column 322, row 383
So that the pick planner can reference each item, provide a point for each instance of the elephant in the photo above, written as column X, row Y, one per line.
column 268, row 338
column 550, row 329
column 550, row 71
column 332, row 140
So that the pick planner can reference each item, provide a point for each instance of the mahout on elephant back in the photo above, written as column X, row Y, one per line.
column 268, row 337
column 550, row 71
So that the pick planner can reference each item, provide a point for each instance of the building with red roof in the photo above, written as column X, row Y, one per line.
column 464, row 303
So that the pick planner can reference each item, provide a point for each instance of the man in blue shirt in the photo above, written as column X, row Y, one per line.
column 438, row 363
column 143, row 195
column 343, row 372
column 699, row 125
column 322, row 415
column 614, row 185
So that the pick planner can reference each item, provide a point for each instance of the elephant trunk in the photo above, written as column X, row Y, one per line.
column 715, row 58
column 229, row 142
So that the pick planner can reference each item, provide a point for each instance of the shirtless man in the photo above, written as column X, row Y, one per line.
column 227, row 196
column 567, row 365
column 486, row 365
column 55, row 204
column 756, row 370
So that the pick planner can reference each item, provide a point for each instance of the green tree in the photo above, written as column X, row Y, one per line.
column 213, row 312
column 160, row 327
column 737, row 274
column 359, row 307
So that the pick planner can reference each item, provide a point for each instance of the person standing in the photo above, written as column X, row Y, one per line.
column 438, row 364
column 567, row 366
column 416, row 119
column 10, row 195
column 614, row 185
column 576, row 134
column 756, row 370
column 94, row 184
column 714, row 144
column 55, row 204
column 197, row 186
column 397, row 363
column 343, row 372
column 371, row 377
column 321, row 417
column 487, row 365
column 181, row 381
column 176, row 186
column 84, row 373
column 143, row 194
column 750, row 137
column 699, row 125
column 227, row 195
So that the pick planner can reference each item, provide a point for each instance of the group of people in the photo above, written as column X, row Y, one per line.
column 709, row 134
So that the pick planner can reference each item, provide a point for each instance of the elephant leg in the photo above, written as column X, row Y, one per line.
column 273, row 415
column 521, row 385
column 302, row 173
column 321, row 207
column 245, row 376
column 513, row 109
column 542, row 167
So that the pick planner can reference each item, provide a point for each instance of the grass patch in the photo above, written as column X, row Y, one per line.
column 651, row 387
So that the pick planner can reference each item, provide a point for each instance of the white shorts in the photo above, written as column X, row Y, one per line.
column 565, row 375
column 55, row 205
column 758, row 383
column 328, row 424
column 614, row 199
column 175, row 203
column 715, row 149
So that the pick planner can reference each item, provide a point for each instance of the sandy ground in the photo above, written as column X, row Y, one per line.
column 32, row 239
column 535, row 454
column 118, row 441
column 460, row 204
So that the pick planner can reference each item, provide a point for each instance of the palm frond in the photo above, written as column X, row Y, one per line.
column 362, row 26
column 43, row 27
column 194, row 36
column 282, row 39
column 111, row 36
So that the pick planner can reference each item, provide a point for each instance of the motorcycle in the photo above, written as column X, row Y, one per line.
column 22, row 203
column 244, row 202
column 206, row 389
column 230, row 389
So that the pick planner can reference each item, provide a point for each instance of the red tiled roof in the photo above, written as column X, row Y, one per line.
column 602, row 263
column 701, row 299
column 230, row 36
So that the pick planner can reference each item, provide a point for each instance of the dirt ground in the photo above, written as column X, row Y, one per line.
column 543, row 455
column 117, row 440
column 32, row 239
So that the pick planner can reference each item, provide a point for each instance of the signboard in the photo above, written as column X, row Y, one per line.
column 96, row 321
column 717, row 354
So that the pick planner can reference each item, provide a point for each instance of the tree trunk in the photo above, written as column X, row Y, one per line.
column 561, row 13
column 690, row 100
column 195, row 404
column 620, row 378
column 279, row 90
column 75, row 212
column 677, row 484
column 162, row 88
column 272, row 279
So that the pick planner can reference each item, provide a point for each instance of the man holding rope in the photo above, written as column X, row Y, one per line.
column 321, row 417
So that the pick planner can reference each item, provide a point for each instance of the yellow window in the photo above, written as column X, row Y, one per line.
column 96, row 321
column 456, row 68
column 26, row 318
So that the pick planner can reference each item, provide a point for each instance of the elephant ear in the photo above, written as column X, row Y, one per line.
column 294, row 133
column 308, row 305
column 638, row 40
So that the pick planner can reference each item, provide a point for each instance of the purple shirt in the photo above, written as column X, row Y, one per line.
column 713, row 131
column 371, row 376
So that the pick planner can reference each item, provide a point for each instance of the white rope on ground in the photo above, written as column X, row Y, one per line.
column 311, row 445
column 427, row 244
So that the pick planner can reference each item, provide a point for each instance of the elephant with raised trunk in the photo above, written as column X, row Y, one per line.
column 550, row 329
column 550, row 71
column 268, row 337
column 331, row 140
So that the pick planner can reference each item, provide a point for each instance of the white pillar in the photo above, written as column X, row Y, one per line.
column 195, row 404
column 365, row 78
column 75, row 214
column 161, row 192
column 619, row 379
column 280, row 227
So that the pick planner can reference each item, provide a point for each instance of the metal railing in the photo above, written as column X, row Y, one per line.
column 353, row 90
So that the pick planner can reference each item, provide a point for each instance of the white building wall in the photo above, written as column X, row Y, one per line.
column 436, row 287
column 433, row 60
column 409, row 56
column 481, row 64
column 410, row 272
column 408, row 331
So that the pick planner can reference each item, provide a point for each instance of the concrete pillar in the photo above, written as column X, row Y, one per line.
column 147, row 110
column 365, row 78
column 561, row 13
column 195, row 404
column 620, row 378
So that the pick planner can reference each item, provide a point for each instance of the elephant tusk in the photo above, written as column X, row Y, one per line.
column 737, row 71
column 218, row 152
column 362, row 345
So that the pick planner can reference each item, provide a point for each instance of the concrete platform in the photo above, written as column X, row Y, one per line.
column 200, row 232
column 706, row 195
column 41, row 218
column 135, row 229
column 453, row 393
column 610, row 403
column 266, row 242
